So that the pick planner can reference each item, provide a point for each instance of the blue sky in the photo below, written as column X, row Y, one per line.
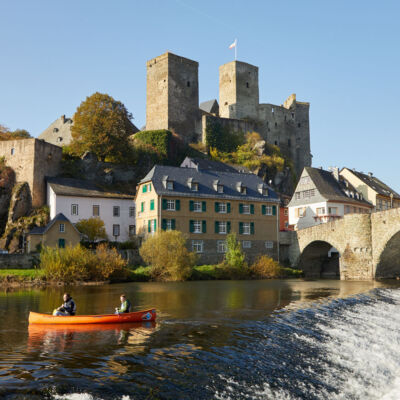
column 341, row 56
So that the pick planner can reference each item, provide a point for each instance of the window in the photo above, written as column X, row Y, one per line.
column 247, row 84
column 197, row 246
column 276, row 124
column 74, row 209
column 12, row 151
column 332, row 210
column 196, row 226
column 305, row 180
column 268, row 210
column 269, row 244
column 170, row 185
column 320, row 210
column 297, row 195
column 62, row 227
column 246, row 209
column 132, row 212
column 246, row 244
column 188, row 84
column 246, row 228
column 289, row 143
column 197, row 206
column 152, row 225
column 222, row 208
column 96, row 211
column 220, row 188
column 115, row 230
column 286, row 212
column 151, row 204
column 142, row 206
column 116, row 211
column 221, row 246
column 144, row 189
column 61, row 243
column 222, row 228
column 300, row 212
column 132, row 230
column 170, row 205
column 347, row 209
column 169, row 224
column 195, row 187
column 299, row 125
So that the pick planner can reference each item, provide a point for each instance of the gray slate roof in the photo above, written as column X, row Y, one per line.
column 202, row 164
column 205, row 180
column 376, row 184
column 329, row 189
column 210, row 106
column 40, row 230
column 82, row 188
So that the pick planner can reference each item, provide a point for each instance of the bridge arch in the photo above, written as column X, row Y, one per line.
column 388, row 260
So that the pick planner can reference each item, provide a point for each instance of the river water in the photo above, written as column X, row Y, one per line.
column 287, row 339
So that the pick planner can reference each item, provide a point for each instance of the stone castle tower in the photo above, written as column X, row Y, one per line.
column 173, row 103
column 172, row 95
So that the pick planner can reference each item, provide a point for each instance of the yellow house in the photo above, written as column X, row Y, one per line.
column 207, row 205
column 373, row 189
column 59, row 232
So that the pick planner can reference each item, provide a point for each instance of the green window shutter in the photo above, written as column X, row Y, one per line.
column 144, row 188
column 203, row 206
column 151, row 204
column 263, row 209
column 155, row 225
column 142, row 206
column 149, row 225
column 177, row 205
column 241, row 228
column 228, row 207
column 164, row 204
column 164, row 224
column 228, row 226
column 216, row 206
column 273, row 210
column 191, row 205
column 149, row 187
column 173, row 224
column 251, row 208
column 204, row 226
column 240, row 208
column 191, row 226
column 216, row 227
column 252, row 228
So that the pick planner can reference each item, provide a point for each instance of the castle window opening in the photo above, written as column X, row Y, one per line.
column 226, row 103
column 298, row 125
column 276, row 124
column 12, row 151
column 289, row 143
column 188, row 84
column 272, row 110
column 247, row 84
column 55, row 130
column 292, row 115
column 276, row 143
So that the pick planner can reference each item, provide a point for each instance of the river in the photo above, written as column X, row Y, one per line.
column 282, row 339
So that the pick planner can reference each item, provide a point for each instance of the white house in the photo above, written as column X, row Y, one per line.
column 322, row 196
column 79, row 199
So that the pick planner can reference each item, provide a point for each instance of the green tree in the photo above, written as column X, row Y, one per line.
column 168, row 256
column 102, row 125
column 92, row 228
column 234, row 255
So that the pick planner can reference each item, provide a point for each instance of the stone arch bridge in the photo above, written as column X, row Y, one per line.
column 368, row 246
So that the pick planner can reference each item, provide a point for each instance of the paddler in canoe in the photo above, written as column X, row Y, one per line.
column 125, row 305
column 68, row 308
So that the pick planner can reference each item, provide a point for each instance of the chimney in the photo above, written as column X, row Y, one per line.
column 63, row 119
column 335, row 172
column 370, row 174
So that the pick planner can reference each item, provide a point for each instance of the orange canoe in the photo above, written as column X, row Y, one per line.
column 138, row 316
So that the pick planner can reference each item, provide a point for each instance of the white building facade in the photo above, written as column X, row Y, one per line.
column 82, row 200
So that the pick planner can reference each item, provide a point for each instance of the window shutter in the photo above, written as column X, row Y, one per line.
column 263, row 209
column 164, row 204
column 144, row 189
column 149, row 225
column 228, row 207
column 241, row 228
column 191, row 226
column 191, row 205
column 173, row 224
column 151, row 204
column 164, row 224
column 177, row 205
column 251, row 208
column 216, row 206
column 155, row 225
column 240, row 208
column 252, row 228
column 216, row 227
column 204, row 226
column 273, row 210
column 228, row 226
column 204, row 206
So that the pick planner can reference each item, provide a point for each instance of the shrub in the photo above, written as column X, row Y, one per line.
column 92, row 228
column 234, row 255
column 157, row 139
column 79, row 264
column 265, row 268
column 168, row 256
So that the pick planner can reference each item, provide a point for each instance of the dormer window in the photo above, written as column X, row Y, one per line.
column 262, row 189
column 241, row 188
column 193, row 185
column 168, row 183
column 218, row 187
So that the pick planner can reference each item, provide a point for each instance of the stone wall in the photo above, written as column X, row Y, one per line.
column 18, row 261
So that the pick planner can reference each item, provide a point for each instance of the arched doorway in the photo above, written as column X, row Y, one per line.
column 320, row 260
column 389, row 260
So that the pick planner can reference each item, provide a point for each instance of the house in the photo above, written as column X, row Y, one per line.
column 322, row 196
column 206, row 205
column 380, row 195
column 79, row 199
column 284, row 214
column 59, row 232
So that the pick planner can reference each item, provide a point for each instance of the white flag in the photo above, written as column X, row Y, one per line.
column 233, row 44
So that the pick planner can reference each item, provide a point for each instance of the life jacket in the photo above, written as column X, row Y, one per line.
column 70, row 307
column 126, row 305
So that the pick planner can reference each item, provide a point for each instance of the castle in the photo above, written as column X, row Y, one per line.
column 173, row 103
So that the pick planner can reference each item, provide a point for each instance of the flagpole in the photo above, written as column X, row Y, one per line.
column 235, row 49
